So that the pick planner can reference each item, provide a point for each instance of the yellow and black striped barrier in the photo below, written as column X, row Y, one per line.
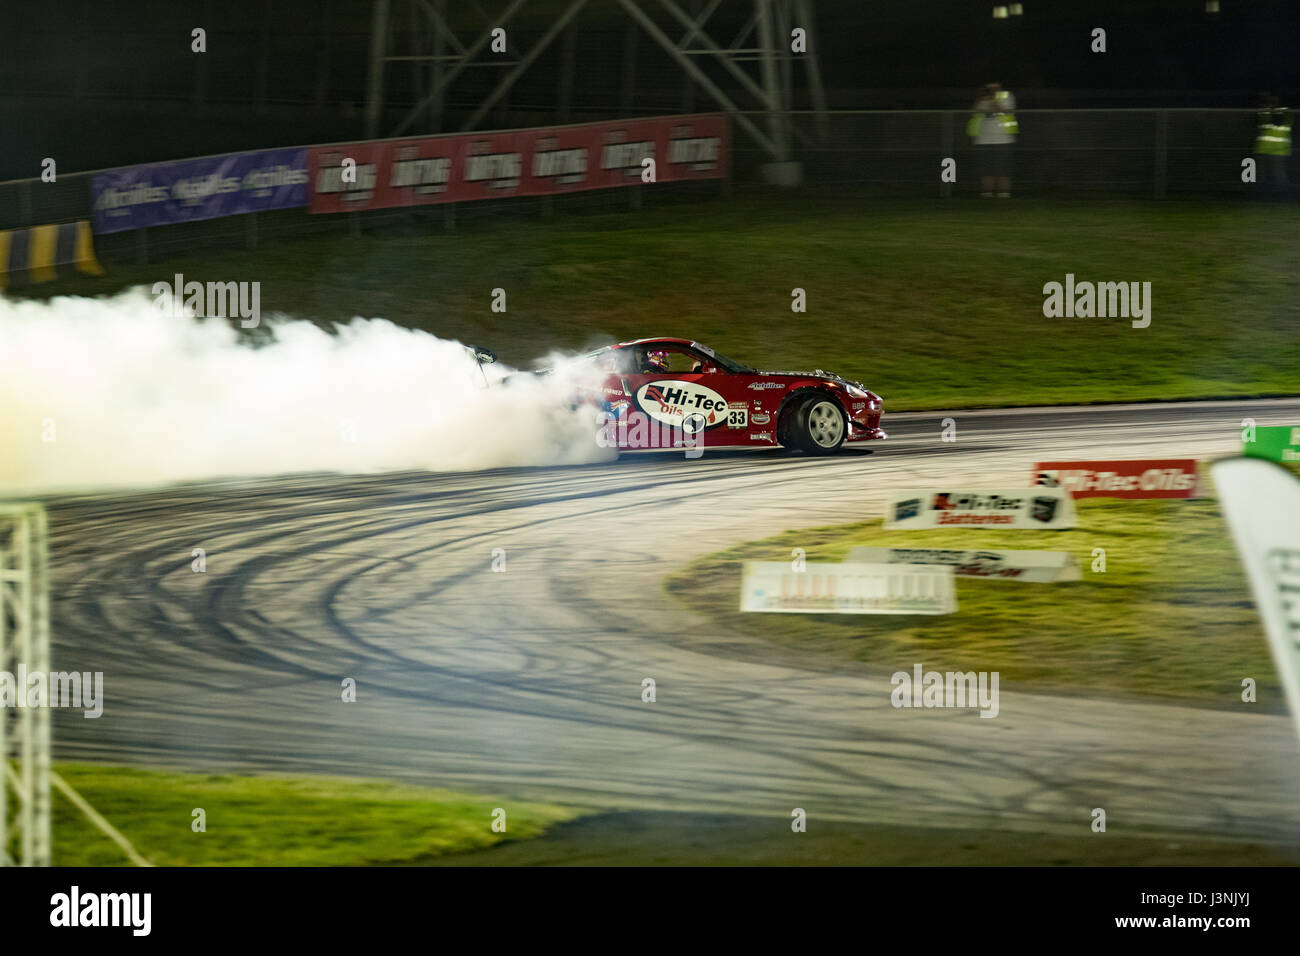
column 32, row 254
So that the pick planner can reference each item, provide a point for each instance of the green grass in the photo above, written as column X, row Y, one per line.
column 668, row 839
column 279, row 821
column 934, row 304
column 313, row 821
column 1171, row 616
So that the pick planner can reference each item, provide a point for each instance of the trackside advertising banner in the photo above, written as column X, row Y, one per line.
column 1262, row 504
column 774, row 586
column 1275, row 443
column 1041, row 508
column 188, row 190
column 1035, row 566
column 533, row 162
column 1139, row 478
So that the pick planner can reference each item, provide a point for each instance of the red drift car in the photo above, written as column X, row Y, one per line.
column 675, row 393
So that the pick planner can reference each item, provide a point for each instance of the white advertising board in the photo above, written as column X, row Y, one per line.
column 1038, row 507
column 824, row 588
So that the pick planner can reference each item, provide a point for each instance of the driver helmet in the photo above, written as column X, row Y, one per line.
column 656, row 361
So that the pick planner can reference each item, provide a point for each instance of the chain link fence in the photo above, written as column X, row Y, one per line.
column 1093, row 153
column 1122, row 153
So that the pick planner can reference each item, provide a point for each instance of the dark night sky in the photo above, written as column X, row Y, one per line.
column 116, row 82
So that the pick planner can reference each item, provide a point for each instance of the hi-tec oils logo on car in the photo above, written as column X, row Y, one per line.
column 690, row 406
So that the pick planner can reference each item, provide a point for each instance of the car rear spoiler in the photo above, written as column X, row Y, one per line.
column 483, row 357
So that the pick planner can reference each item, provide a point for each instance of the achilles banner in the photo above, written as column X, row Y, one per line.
column 1262, row 504
column 1035, row 566
column 188, row 190
column 531, row 162
column 1139, row 478
column 774, row 586
column 1042, row 508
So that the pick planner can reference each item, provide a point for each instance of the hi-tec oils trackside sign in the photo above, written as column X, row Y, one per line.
column 1138, row 478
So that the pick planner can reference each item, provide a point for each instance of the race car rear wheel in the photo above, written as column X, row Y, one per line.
column 819, row 425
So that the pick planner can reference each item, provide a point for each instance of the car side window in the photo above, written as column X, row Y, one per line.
column 676, row 360
column 617, row 362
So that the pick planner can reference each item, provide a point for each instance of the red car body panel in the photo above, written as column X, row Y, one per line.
column 711, row 400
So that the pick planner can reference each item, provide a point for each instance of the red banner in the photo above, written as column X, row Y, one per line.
column 532, row 162
column 1140, row 478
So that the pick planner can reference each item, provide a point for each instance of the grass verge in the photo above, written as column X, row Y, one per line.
column 1170, row 617
column 934, row 304
column 639, row 839
column 279, row 821
column 265, row 821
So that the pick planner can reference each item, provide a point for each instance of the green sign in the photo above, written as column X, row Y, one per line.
column 1274, row 442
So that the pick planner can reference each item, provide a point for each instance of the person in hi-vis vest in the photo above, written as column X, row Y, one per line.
column 1272, row 147
column 993, row 127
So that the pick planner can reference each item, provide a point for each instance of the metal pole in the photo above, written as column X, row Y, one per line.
column 26, row 726
column 688, row 87
column 564, row 94
column 201, row 72
column 375, row 81
column 776, row 125
column 435, row 100
column 25, row 646
column 945, row 148
column 1162, row 153
column 323, row 54
column 628, row 80
column 83, row 60
column 264, row 61
column 782, row 11
column 417, row 48
column 816, row 92
column 42, row 826
column 5, row 665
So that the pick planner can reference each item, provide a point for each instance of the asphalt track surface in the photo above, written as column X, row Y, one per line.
column 527, row 683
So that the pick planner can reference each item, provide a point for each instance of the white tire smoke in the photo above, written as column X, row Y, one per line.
column 112, row 392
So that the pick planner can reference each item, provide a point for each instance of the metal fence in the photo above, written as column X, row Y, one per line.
column 1129, row 153
column 1120, row 153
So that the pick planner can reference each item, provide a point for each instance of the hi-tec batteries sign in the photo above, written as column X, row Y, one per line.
column 1138, row 478
column 1035, row 566
column 774, row 586
column 1041, row 507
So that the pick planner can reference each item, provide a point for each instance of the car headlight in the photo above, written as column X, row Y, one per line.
column 855, row 391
